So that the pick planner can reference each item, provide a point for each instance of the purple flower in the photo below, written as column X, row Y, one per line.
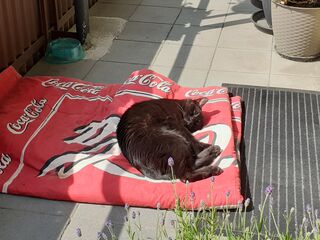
column 212, row 178
column 108, row 223
column 78, row 231
column 170, row 161
column 268, row 190
column 173, row 223
column 126, row 206
column 192, row 196
column 246, row 202
column 104, row 236
column 308, row 208
column 163, row 220
column 202, row 204
column 228, row 193
column 134, row 215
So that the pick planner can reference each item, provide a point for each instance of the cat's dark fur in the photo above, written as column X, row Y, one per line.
column 152, row 131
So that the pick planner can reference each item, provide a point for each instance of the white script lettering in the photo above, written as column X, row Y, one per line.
column 150, row 80
column 30, row 113
column 4, row 162
column 80, row 87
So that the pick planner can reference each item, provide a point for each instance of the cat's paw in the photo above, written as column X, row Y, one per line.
column 216, row 171
column 215, row 151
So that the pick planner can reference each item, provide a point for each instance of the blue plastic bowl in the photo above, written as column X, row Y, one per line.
column 64, row 50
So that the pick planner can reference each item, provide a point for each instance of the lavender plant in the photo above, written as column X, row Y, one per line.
column 209, row 224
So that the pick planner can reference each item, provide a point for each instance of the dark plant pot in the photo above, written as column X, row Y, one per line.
column 267, row 11
column 257, row 3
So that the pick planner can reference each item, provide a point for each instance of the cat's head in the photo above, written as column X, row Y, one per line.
column 193, row 113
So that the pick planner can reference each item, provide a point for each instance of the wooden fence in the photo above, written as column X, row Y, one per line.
column 26, row 27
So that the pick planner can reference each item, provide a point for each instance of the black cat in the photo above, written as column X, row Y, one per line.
column 151, row 132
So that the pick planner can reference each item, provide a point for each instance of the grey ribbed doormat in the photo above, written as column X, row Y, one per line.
column 281, row 147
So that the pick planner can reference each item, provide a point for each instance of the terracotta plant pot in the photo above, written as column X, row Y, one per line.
column 296, row 31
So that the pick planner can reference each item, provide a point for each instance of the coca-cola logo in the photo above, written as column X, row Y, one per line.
column 197, row 93
column 30, row 113
column 236, row 106
column 76, row 86
column 5, row 160
column 150, row 80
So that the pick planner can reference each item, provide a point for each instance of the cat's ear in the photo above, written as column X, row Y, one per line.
column 202, row 101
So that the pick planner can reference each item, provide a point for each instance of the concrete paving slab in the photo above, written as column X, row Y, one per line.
column 163, row 3
column 295, row 82
column 216, row 78
column 238, row 60
column 207, row 5
column 183, row 76
column 194, row 35
column 92, row 219
column 76, row 70
column 245, row 39
column 194, row 57
column 111, row 72
column 284, row 66
column 37, row 205
column 197, row 17
column 147, row 32
column 134, row 2
column 25, row 225
column 132, row 52
column 103, row 9
column 155, row 14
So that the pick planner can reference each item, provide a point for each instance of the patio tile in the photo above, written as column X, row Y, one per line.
column 163, row 3
column 76, row 70
column 284, row 66
column 112, row 10
column 194, row 35
column 194, row 57
column 111, row 72
column 295, row 82
column 134, row 2
column 36, row 205
column 155, row 14
column 245, row 39
column 183, row 76
column 132, row 52
column 24, row 225
column 212, row 18
column 86, row 212
column 216, row 78
column 242, row 6
column 236, row 20
column 238, row 60
column 207, row 5
column 149, row 32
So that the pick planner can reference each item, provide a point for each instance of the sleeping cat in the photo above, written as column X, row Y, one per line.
column 151, row 132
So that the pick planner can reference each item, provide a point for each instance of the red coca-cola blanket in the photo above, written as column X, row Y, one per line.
column 58, row 141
